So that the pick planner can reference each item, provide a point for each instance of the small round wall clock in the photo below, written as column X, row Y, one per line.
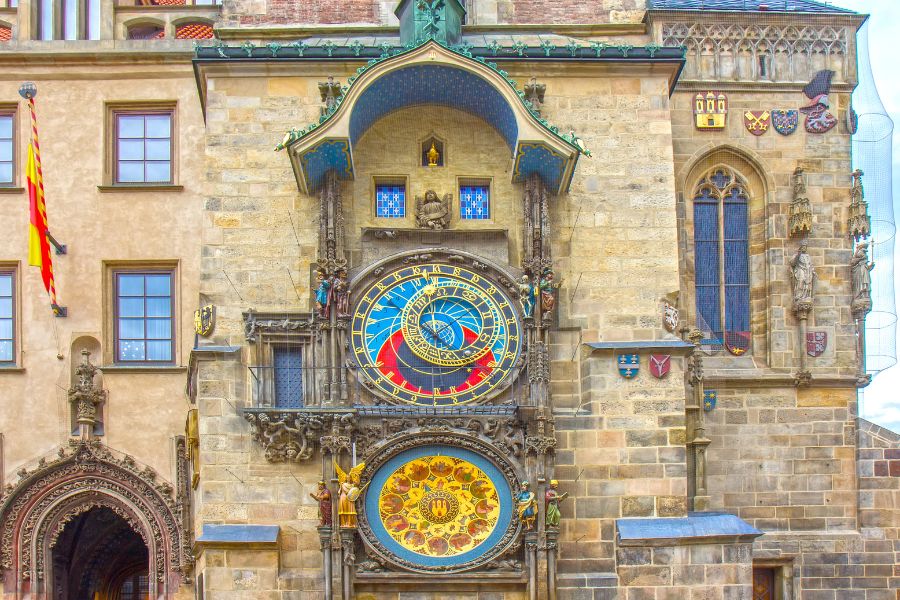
column 435, row 334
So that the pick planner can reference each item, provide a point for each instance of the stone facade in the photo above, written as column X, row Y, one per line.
column 812, row 488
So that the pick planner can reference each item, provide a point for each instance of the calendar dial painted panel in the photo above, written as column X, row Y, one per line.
column 435, row 334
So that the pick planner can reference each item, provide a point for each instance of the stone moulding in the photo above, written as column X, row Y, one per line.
column 503, row 556
column 35, row 510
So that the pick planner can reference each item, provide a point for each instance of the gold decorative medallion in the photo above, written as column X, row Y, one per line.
column 439, row 506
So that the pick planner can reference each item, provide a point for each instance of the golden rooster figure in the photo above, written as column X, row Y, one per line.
column 350, row 492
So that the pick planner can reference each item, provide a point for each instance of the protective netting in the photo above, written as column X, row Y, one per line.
column 871, row 147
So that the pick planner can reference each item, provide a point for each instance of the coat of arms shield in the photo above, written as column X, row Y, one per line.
column 785, row 121
column 205, row 319
column 757, row 121
column 629, row 365
column 737, row 342
column 816, row 342
column 660, row 365
column 709, row 400
column 670, row 317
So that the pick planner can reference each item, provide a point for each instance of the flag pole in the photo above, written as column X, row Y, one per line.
column 39, row 238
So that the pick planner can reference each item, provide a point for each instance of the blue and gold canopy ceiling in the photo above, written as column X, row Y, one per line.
column 431, row 73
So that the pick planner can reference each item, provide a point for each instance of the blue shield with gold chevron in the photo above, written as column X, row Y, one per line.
column 709, row 400
column 629, row 364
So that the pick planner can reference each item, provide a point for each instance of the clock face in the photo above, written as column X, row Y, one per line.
column 435, row 334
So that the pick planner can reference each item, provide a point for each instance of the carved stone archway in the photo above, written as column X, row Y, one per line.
column 84, row 477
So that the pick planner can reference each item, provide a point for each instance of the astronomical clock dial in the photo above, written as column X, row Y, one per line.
column 435, row 334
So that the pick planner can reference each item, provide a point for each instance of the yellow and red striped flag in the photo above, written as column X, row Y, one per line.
column 38, row 243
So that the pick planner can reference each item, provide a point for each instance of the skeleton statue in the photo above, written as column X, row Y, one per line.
column 527, row 295
column 432, row 212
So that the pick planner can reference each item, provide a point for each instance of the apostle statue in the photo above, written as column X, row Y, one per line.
column 323, row 297
column 802, row 277
column 861, row 280
column 552, row 498
column 548, row 289
column 526, row 506
column 340, row 293
column 433, row 213
column 322, row 495
column 350, row 492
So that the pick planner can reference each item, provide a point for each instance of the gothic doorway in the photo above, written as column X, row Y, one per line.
column 98, row 556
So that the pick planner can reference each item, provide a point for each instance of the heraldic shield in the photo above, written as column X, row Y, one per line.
column 660, row 365
column 629, row 365
column 204, row 319
column 816, row 342
column 756, row 121
column 737, row 342
column 785, row 121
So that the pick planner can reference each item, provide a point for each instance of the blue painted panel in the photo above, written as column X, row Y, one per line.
column 390, row 201
column 538, row 158
column 696, row 525
column 381, row 478
column 475, row 202
column 433, row 84
column 324, row 156
column 236, row 534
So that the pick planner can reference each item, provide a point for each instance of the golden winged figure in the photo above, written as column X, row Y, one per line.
column 350, row 492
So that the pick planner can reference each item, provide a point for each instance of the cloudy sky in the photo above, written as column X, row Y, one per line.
column 880, row 402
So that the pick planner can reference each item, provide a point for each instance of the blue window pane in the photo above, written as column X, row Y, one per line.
column 6, row 127
column 130, row 172
column 159, row 307
column 131, row 285
column 159, row 285
column 158, row 172
column 390, row 201
column 474, row 202
column 5, row 285
column 736, row 271
column 6, row 173
column 131, row 307
column 131, row 150
column 6, row 149
column 158, row 126
column 737, row 308
column 6, row 329
column 131, row 350
column 158, row 149
column 6, row 351
column 736, row 222
column 6, row 307
column 159, row 329
column 131, row 329
column 720, row 179
column 708, row 308
column 288, row 377
column 131, row 126
column 161, row 351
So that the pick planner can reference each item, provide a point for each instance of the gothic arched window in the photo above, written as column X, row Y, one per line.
column 721, row 266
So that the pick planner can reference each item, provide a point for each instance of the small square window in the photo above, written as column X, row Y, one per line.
column 143, row 148
column 390, row 200
column 7, row 148
column 475, row 202
column 144, row 317
column 7, row 318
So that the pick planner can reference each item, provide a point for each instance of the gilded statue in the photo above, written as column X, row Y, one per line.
column 552, row 498
column 433, row 156
column 322, row 496
column 350, row 493
column 802, row 278
column 433, row 212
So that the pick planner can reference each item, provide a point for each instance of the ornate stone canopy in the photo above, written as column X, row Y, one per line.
column 432, row 74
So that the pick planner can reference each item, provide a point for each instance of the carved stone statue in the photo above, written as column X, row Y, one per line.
column 526, row 506
column 527, row 295
column 323, row 297
column 432, row 212
column 340, row 292
column 84, row 396
column 552, row 498
column 350, row 493
column 322, row 495
column 802, row 278
column 861, row 281
column 548, row 289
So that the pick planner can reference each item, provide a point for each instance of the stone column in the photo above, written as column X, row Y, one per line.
column 531, row 560
column 697, row 442
column 552, row 547
column 325, row 533
column 348, row 558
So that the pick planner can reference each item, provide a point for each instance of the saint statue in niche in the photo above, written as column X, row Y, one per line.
column 802, row 278
column 322, row 495
column 323, row 297
column 861, row 280
column 526, row 506
column 433, row 212
column 552, row 498
column 340, row 291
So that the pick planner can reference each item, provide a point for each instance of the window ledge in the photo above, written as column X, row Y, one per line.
column 11, row 190
column 143, row 369
column 12, row 370
column 165, row 187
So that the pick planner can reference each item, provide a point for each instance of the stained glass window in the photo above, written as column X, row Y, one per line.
column 144, row 147
column 7, row 318
column 474, row 202
column 288, row 377
column 144, row 317
column 390, row 201
column 6, row 148
column 722, row 273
